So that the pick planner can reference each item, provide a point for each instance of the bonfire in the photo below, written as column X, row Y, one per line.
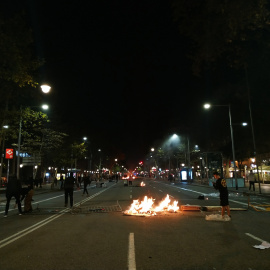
column 146, row 208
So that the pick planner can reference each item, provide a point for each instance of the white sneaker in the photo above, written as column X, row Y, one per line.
column 5, row 215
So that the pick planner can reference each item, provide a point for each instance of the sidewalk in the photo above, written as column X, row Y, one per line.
column 45, row 188
column 264, row 188
column 263, row 191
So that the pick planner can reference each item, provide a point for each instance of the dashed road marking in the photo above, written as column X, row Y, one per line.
column 131, row 253
column 254, row 237
column 39, row 224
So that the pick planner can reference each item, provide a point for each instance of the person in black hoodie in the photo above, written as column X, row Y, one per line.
column 69, row 187
column 13, row 190
column 221, row 186
column 86, row 182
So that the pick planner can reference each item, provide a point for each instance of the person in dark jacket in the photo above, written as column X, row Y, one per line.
column 69, row 188
column 13, row 190
column 24, row 192
column 221, row 186
column 86, row 181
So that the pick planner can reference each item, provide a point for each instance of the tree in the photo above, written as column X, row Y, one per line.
column 17, row 64
column 223, row 30
column 78, row 151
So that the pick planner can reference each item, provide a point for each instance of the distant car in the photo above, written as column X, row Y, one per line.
column 125, row 176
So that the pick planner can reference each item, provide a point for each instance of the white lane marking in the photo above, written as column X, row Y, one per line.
column 36, row 226
column 27, row 231
column 160, row 190
column 254, row 237
column 131, row 253
column 51, row 198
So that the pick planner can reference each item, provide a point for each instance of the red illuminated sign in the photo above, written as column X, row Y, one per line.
column 9, row 153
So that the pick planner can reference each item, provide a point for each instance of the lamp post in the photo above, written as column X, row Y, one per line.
column 208, row 106
column 176, row 138
column 99, row 167
column 45, row 89
column 45, row 107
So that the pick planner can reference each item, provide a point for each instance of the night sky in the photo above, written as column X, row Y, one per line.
column 118, row 71
column 117, row 68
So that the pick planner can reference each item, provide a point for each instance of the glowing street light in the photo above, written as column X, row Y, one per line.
column 45, row 88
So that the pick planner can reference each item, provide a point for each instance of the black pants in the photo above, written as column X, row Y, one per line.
column 17, row 197
column 85, row 190
column 251, row 183
column 69, row 192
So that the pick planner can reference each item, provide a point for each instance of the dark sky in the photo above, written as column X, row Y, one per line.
column 118, row 71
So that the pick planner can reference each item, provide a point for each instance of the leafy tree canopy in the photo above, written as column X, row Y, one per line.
column 227, row 30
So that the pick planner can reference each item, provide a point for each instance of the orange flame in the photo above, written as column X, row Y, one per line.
column 146, row 207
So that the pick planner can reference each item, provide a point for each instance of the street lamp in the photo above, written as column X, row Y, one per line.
column 99, row 150
column 89, row 153
column 208, row 106
column 45, row 107
column 45, row 88
column 176, row 139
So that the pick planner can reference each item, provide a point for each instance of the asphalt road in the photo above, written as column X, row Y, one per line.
column 91, row 238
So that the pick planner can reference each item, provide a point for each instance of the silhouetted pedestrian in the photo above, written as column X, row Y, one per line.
column 29, row 196
column 69, row 188
column 86, row 182
column 252, row 180
column 79, row 181
column 40, row 182
column 24, row 192
column 13, row 190
column 61, row 182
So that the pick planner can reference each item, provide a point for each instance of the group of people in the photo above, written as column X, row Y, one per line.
column 69, row 185
column 15, row 189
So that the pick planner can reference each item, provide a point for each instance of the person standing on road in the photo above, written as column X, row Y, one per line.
column 252, row 180
column 69, row 188
column 61, row 182
column 29, row 196
column 221, row 186
column 13, row 190
column 86, row 181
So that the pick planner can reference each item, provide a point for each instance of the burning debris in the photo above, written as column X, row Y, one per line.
column 142, row 184
column 146, row 208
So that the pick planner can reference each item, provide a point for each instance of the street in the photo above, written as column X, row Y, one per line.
column 99, row 236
